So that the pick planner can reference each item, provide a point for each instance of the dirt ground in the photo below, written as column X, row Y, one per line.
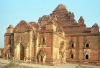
column 3, row 64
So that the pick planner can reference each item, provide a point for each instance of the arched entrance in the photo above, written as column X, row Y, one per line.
column 41, row 57
column 21, row 52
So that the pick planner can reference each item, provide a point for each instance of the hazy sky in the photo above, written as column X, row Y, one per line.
column 13, row 11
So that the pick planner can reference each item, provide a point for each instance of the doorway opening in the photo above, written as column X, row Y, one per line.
column 41, row 57
column 21, row 52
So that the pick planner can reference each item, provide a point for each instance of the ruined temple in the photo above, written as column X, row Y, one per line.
column 56, row 38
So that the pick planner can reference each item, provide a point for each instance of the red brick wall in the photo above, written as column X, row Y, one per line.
column 6, row 43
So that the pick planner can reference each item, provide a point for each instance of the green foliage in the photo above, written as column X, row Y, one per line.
column 14, row 63
column 79, row 66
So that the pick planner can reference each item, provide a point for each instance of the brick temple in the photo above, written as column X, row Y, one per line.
column 56, row 38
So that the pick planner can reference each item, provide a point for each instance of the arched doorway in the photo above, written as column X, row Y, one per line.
column 41, row 57
column 21, row 52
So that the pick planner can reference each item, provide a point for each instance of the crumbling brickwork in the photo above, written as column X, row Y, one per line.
column 56, row 38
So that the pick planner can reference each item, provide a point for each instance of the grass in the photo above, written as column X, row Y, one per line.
column 13, row 63
column 79, row 66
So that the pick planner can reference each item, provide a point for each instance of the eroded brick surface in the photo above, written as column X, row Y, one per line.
column 55, row 39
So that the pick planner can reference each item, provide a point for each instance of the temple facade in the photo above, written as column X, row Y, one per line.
column 56, row 38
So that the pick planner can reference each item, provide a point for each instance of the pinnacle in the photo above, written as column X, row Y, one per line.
column 60, row 7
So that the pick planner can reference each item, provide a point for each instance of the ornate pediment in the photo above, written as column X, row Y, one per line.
column 23, row 26
column 71, row 42
column 59, row 29
column 21, row 40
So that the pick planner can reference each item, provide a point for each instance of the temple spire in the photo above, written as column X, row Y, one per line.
column 60, row 7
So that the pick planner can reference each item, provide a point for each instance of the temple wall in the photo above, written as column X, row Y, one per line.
column 80, row 50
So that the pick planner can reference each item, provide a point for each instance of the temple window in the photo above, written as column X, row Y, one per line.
column 87, row 57
column 87, row 45
column 72, row 56
column 43, row 40
column 72, row 45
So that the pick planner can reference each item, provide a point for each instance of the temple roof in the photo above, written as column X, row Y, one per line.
column 23, row 26
column 60, row 7
column 95, row 25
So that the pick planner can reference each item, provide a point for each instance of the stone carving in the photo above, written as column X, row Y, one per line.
column 87, row 51
column 59, row 29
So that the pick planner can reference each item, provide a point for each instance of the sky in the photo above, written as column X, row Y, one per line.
column 13, row 11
